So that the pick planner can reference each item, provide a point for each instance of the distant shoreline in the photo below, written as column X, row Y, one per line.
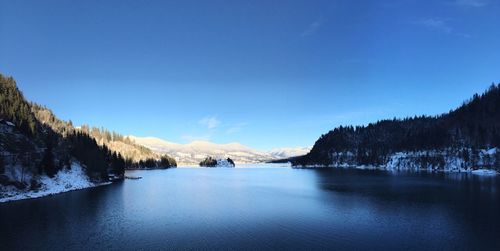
column 487, row 172
column 30, row 195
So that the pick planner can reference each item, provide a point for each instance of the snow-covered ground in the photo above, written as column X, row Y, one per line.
column 485, row 172
column 287, row 152
column 192, row 153
column 480, row 162
column 224, row 163
column 64, row 181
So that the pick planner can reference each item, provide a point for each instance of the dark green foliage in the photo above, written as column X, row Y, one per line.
column 476, row 124
column 47, row 164
column 89, row 153
column 117, row 164
column 60, row 140
column 64, row 143
column 132, row 150
column 128, row 149
column 167, row 161
column 212, row 162
column 98, row 160
column 497, row 159
column 47, row 118
column 230, row 161
column 64, row 161
column 2, row 165
column 14, row 108
column 149, row 163
column 131, row 155
column 209, row 162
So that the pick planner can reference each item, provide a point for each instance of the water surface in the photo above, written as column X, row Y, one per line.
column 263, row 208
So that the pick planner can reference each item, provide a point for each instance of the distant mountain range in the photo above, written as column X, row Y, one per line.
column 289, row 152
column 193, row 153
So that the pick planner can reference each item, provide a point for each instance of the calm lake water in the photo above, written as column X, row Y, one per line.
column 264, row 209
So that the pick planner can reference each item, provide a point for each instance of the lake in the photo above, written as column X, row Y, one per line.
column 265, row 209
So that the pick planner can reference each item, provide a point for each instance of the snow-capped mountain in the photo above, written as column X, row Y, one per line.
column 194, row 152
column 287, row 152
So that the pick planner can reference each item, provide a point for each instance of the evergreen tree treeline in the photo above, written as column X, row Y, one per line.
column 474, row 125
column 208, row 162
column 53, row 143
column 58, row 143
column 212, row 162
column 15, row 108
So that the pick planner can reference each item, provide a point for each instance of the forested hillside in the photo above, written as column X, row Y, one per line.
column 37, row 148
column 136, row 156
column 34, row 143
column 464, row 138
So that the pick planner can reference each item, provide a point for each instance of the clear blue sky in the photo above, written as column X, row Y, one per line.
column 263, row 73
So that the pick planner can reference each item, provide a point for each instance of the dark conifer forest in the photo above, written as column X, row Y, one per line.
column 212, row 162
column 208, row 162
column 49, row 151
column 462, row 133
column 32, row 135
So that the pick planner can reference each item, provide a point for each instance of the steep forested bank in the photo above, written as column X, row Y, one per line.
column 37, row 149
column 136, row 156
column 463, row 139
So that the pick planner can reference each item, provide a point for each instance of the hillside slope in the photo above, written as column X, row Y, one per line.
column 41, row 154
column 464, row 139
column 31, row 152
column 136, row 156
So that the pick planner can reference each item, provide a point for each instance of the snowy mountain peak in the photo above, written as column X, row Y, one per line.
column 195, row 151
column 287, row 152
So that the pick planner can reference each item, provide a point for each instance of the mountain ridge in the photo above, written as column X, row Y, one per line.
column 194, row 152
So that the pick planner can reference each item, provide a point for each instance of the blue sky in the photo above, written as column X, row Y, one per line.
column 263, row 73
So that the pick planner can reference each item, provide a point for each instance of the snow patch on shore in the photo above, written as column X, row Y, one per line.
column 485, row 172
column 224, row 163
column 479, row 162
column 64, row 181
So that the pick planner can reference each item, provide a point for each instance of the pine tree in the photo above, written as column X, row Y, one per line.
column 15, row 108
column 208, row 162
column 2, row 165
column 47, row 164
column 230, row 161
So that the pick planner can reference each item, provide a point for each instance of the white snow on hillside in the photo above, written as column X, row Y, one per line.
column 448, row 160
column 484, row 172
column 65, row 180
column 223, row 163
column 196, row 151
column 287, row 152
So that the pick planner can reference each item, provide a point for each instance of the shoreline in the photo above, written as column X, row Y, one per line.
column 29, row 195
column 487, row 172
column 64, row 181
column 17, row 195
column 135, row 169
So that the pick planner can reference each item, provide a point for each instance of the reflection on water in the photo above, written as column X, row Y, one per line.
column 263, row 208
